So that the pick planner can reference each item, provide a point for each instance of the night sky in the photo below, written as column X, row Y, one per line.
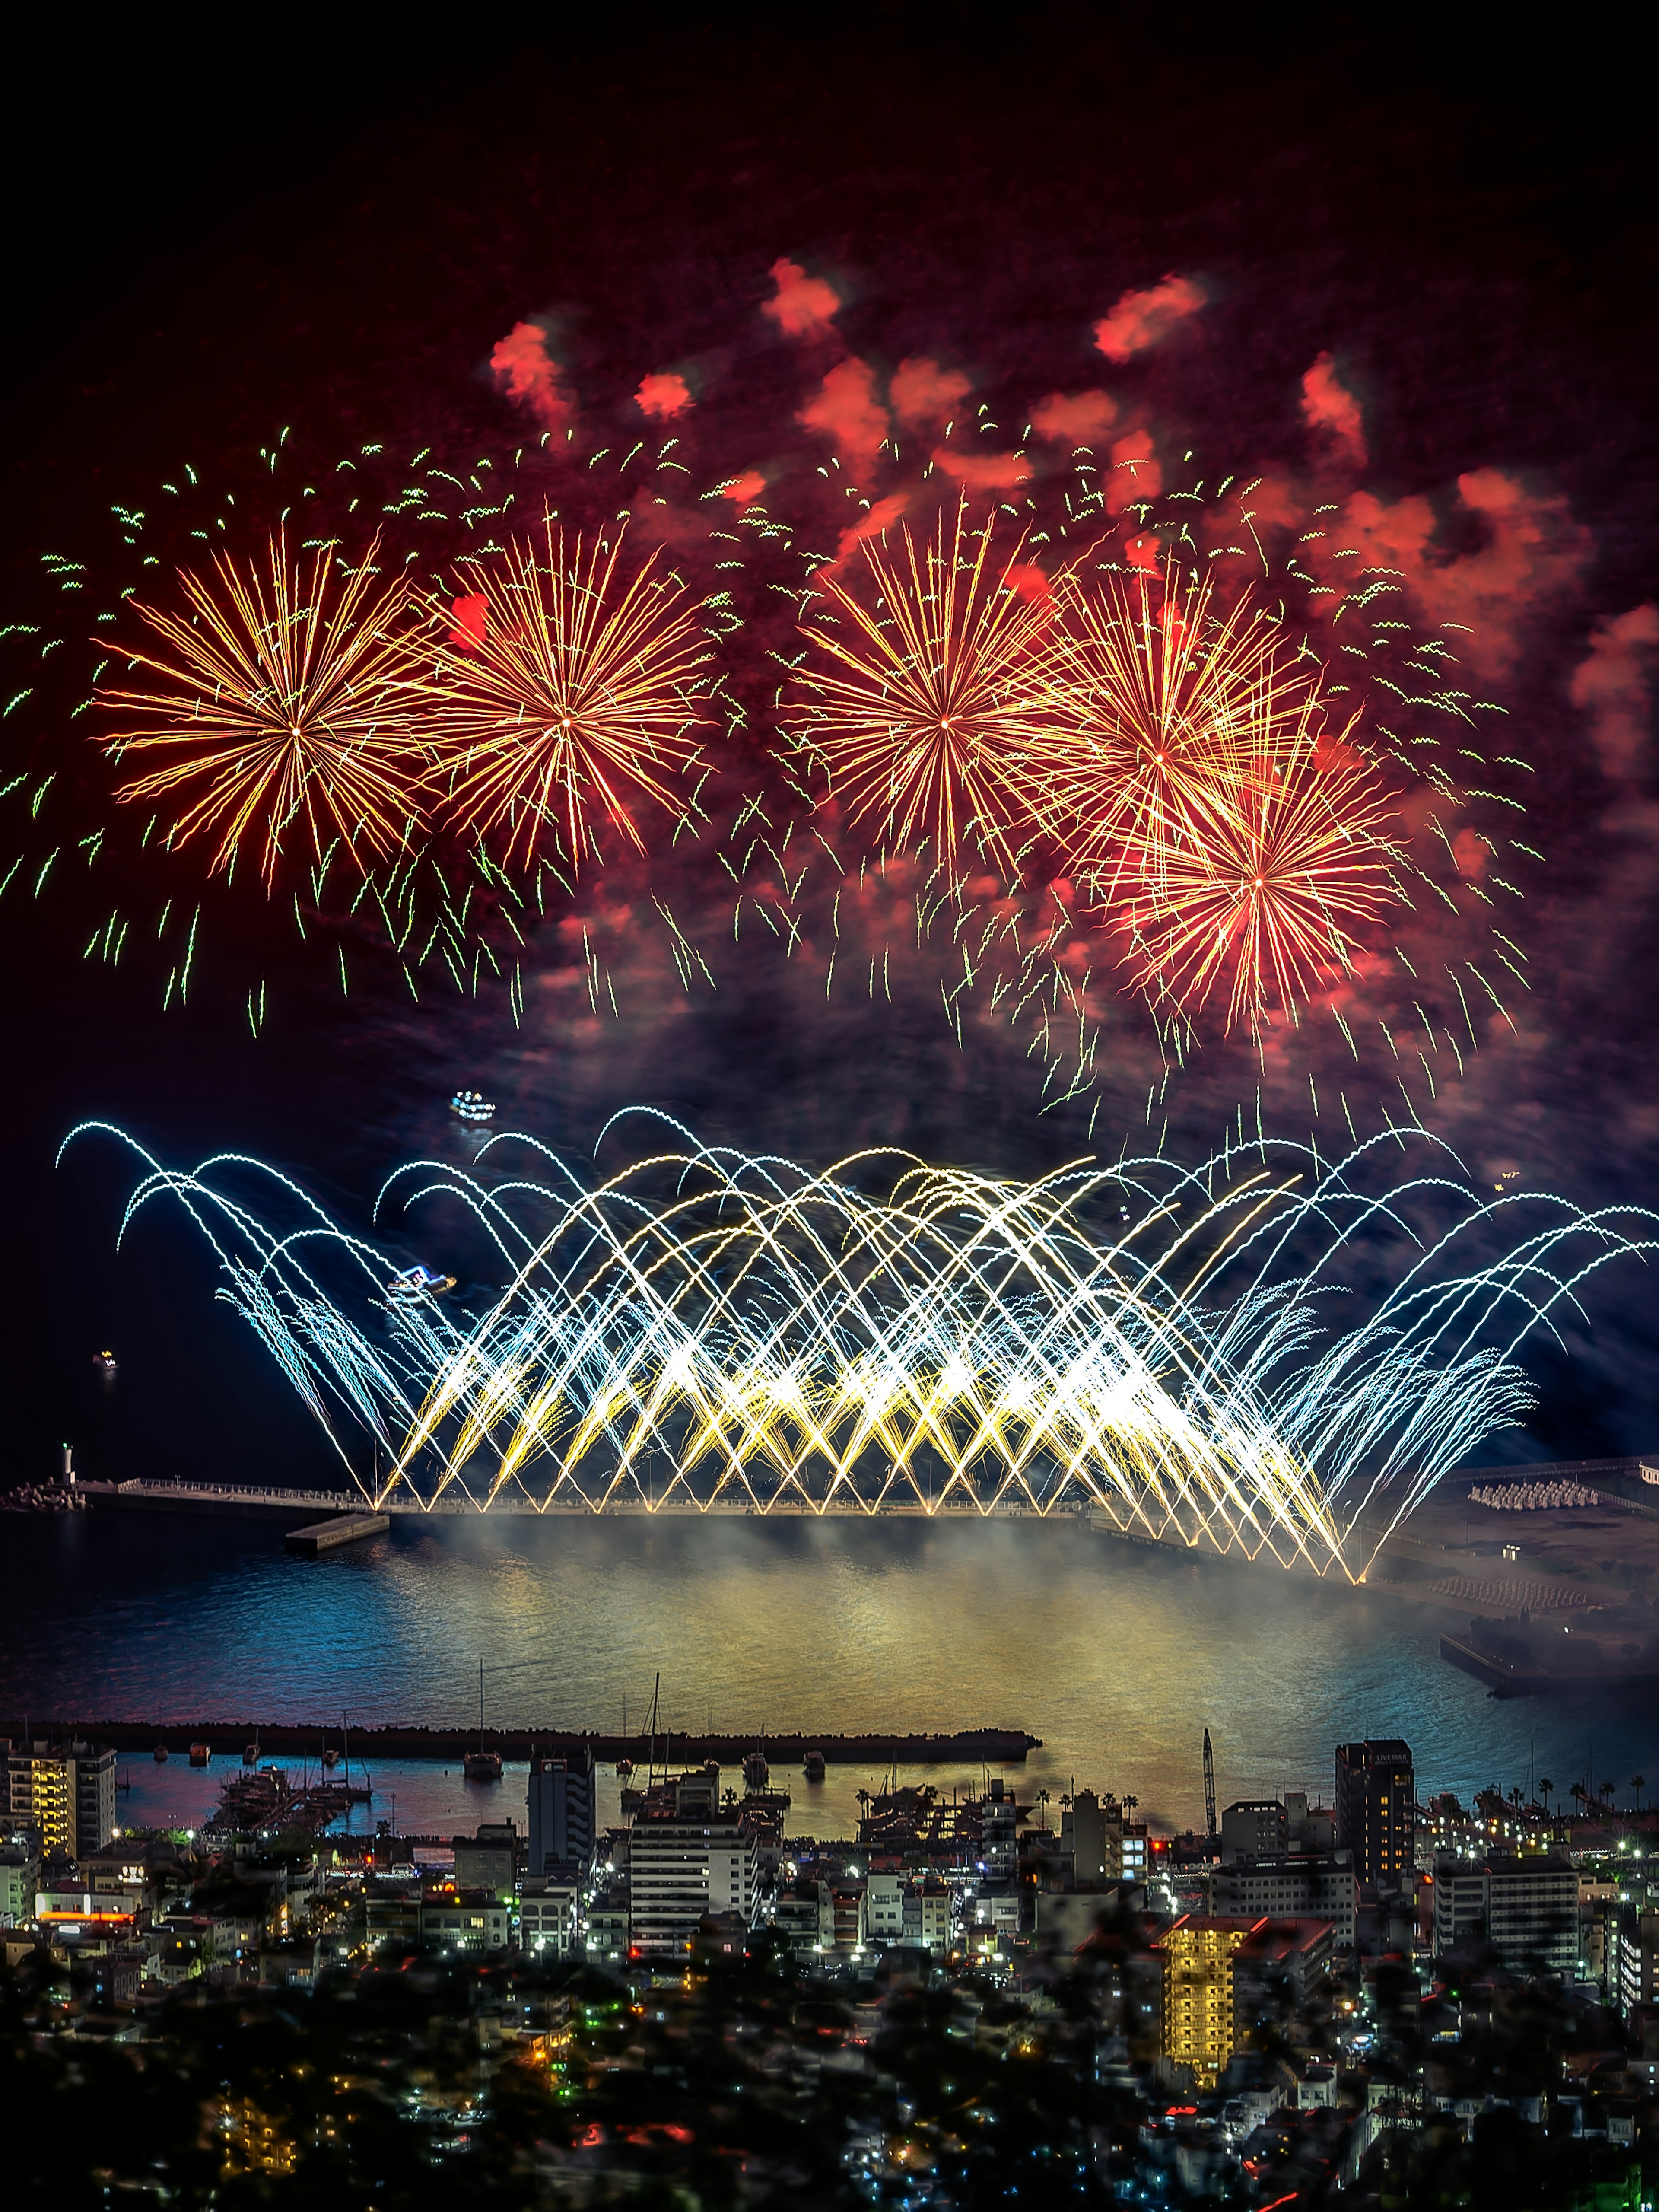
column 207, row 247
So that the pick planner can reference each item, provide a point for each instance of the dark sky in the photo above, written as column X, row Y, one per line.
column 207, row 244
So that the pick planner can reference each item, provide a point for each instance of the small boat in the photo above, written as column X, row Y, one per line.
column 330, row 1757
column 756, row 1771
column 472, row 1106
column 815, row 1768
column 624, row 1768
column 482, row 1765
column 200, row 1753
column 160, row 1754
column 251, row 1754
column 419, row 1283
column 105, row 1362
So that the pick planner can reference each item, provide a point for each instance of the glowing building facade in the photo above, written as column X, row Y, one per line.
column 1376, row 1810
column 65, row 1792
column 1200, row 1956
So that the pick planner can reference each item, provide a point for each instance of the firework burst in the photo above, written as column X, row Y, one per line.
column 571, row 697
column 931, row 721
column 281, row 700
column 1271, row 879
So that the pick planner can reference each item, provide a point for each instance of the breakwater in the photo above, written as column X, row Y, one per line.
column 287, row 1739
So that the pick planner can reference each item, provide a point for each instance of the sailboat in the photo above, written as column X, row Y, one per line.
column 624, row 1764
column 482, row 1765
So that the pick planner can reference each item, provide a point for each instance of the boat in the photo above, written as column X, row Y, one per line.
column 330, row 1757
column 756, row 1771
column 624, row 1768
column 472, row 1106
column 419, row 1283
column 106, row 1361
column 200, row 1753
column 814, row 1766
column 160, row 1754
column 482, row 1765
column 251, row 1754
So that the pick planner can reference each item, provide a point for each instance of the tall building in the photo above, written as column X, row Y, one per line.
column 1254, row 1829
column 561, row 1811
column 65, row 1792
column 1526, row 1908
column 1199, row 1954
column 1083, row 1828
column 488, row 1860
column 1375, row 1810
column 682, row 1869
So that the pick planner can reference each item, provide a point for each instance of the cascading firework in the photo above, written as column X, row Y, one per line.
column 706, row 1331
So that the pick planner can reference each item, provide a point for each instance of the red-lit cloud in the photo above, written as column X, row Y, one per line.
column 1135, row 473
column 1613, row 684
column 471, row 615
column 983, row 471
column 1328, row 405
column 1077, row 418
column 923, row 392
column 1533, row 549
column 524, row 369
column 803, row 305
column 846, row 408
column 663, row 396
column 743, row 489
column 1027, row 581
column 880, row 517
column 1140, row 319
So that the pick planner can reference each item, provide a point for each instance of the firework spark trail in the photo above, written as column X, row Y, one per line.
column 931, row 723
column 284, row 697
column 705, row 1329
column 577, row 690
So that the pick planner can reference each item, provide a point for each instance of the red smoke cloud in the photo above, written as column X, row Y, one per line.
column 1328, row 405
column 1027, row 581
column 880, row 517
column 1078, row 419
column 803, row 305
column 1140, row 319
column 523, row 368
column 663, row 396
column 1533, row 549
column 1615, row 687
column 471, row 614
column 923, row 392
column 745, row 488
column 845, row 407
column 1135, row 473
column 983, row 471
column 1142, row 552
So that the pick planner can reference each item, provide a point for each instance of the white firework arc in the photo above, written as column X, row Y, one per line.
column 705, row 1330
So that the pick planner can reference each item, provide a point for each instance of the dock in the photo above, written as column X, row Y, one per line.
column 328, row 1536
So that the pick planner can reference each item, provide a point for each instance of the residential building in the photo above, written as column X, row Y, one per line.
column 608, row 1916
column 927, row 1916
column 1309, row 1827
column 1256, row 1828
column 1133, row 1852
column 65, row 1792
column 548, row 1915
column 883, row 1910
column 1526, row 1908
column 19, row 1872
column 804, row 1911
column 471, row 1920
column 561, row 1811
column 488, row 1860
column 679, row 1869
column 1375, row 1810
column 1083, row 1832
column 999, row 1817
column 1198, row 1954
column 1633, row 1971
column 1305, row 1887
column 1065, row 1918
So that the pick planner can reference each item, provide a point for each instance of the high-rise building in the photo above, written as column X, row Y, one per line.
column 561, row 1810
column 1376, row 1810
column 1199, row 1954
column 1083, row 1828
column 1526, row 1908
column 681, row 1870
column 1306, row 1887
column 65, row 1792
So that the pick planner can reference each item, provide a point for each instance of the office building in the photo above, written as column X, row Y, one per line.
column 1254, row 1829
column 1524, row 1909
column 471, row 1921
column 65, row 1792
column 679, row 1869
column 561, row 1811
column 19, row 1879
column 1632, row 1970
column 488, row 1860
column 549, row 1911
column 1305, row 1888
column 1377, row 1811
column 1082, row 1834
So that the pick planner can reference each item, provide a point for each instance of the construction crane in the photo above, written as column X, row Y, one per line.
column 1209, row 1787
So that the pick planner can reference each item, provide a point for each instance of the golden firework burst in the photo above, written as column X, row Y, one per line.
column 929, row 718
column 572, row 700
column 282, row 696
